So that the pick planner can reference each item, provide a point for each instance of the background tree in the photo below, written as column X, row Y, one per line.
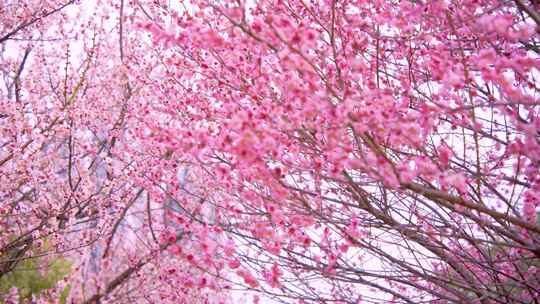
column 77, row 78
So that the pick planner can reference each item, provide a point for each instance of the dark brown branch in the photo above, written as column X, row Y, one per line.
column 17, row 79
column 533, row 14
column 126, row 274
column 119, row 220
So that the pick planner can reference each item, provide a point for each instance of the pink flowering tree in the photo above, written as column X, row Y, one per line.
column 360, row 150
column 77, row 182
column 275, row 151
